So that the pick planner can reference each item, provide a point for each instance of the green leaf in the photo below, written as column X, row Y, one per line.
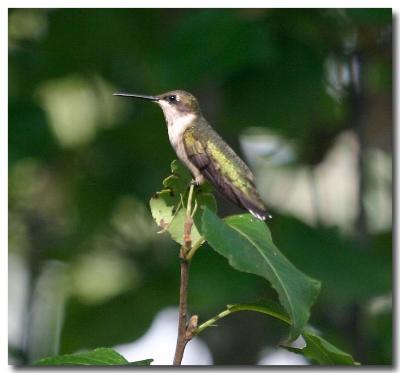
column 317, row 349
column 179, row 179
column 167, row 208
column 246, row 242
column 321, row 351
column 99, row 356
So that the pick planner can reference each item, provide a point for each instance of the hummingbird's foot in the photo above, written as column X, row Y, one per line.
column 197, row 181
column 194, row 183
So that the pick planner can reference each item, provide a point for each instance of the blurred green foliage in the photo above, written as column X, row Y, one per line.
column 98, row 357
column 83, row 165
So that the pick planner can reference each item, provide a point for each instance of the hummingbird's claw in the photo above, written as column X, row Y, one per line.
column 197, row 181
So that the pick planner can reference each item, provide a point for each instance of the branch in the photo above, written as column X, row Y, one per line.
column 181, row 339
column 185, row 332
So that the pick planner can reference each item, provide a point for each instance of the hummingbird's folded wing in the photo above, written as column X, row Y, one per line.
column 197, row 153
column 222, row 167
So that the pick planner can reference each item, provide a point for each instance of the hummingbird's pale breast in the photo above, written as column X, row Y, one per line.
column 177, row 123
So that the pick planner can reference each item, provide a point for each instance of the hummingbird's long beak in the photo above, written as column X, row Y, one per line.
column 144, row 97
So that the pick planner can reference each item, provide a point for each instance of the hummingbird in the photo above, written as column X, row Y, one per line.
column 204, row 152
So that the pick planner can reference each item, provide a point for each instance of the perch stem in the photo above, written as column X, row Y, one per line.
column 185, row 330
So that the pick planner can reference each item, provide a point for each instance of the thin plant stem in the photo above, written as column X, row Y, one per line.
column 181, row 339
column 185, row 331
column 189, row 204
column 240, row 307
column 195, row 246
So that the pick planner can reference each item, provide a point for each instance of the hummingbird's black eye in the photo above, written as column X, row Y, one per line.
column 171, row 98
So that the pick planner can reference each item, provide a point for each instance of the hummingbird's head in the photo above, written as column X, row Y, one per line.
column 175, row 104
column 178, row 105
column 180, row 101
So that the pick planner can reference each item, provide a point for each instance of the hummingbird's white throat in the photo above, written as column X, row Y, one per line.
column 178, row 122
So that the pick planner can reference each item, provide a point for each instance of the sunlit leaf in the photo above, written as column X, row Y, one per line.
column 168, row 205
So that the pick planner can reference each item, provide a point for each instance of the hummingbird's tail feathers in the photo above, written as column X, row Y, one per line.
column 263, row 216
column 255, row 209
column 257, row 212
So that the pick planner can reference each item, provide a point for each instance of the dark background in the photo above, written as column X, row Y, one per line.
column 86, row 266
